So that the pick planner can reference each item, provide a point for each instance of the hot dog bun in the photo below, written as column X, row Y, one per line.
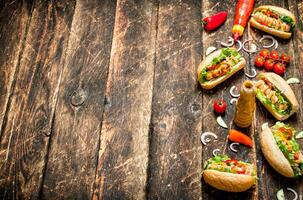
column 286, row 90
column 273, row 154
column 275, row 32
column 212, row 83
column 227, row 181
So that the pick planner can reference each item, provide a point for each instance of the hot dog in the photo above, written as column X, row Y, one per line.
column 274, row 20
column 281, row 149
column 276, row 95
column 229, row 175
column 219, row 66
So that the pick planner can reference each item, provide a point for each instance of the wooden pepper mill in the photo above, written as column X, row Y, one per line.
column 246, row 105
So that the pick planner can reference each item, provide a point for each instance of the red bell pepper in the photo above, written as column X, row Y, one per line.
column 231, row 161
column 213, row 22
column 243, row 10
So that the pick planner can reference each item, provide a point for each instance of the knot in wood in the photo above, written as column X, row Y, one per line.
column 78, row 97
column 195, row 108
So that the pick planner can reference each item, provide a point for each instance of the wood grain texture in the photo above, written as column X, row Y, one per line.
column 269, row 180
column 123, row 153
column 175, row 149
column 24, row 138
column 14, row 21
column 297, row 53
column 99, row 100
column 222, row 91
column 75, row 135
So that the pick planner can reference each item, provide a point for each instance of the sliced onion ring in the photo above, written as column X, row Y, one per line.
column 253, row 50
column 240, row 45
column 264, row 126
column 231, row 146
column 274, row 41
column 209, row 50
column 205, row 140
column 230, row 44
column 276, row 44
column 280, row 195
column 299, row 135
column 215, row 152
column 253, row 75
column 231, row 92
column 292, row 80
column 221, row 122
column 294, row 192
column 233, row 100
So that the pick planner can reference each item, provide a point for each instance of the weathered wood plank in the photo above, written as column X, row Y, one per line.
column 73, row 152
column 123, row 154
column 175, row 148
column 297, row 44
column 269, row 180
column 222, row 91
column 296, row 52
column 14, row 19
column 28, row 123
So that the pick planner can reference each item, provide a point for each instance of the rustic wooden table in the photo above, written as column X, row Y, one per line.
column 99, row 99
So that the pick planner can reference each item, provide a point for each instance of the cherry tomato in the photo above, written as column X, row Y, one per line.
column 259, row 61
column 264, row 53
column 274, row 55
column 269, row 64
column 279, row 68
column 296, row 156
column 285, row 58
column 220, row 106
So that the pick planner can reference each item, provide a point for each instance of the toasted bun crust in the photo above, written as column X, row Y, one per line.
column 281, row 84
column 213, row 83
column 280, row 34
column 279, row 10
column 227, row 181
column 273, row 154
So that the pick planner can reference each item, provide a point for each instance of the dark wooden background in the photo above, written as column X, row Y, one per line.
column 99, row 100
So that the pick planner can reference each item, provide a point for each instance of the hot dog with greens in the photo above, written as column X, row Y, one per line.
column 229, row 174
column 281, row 150
column 274, row 20
column 219, row 66
column 276, row 95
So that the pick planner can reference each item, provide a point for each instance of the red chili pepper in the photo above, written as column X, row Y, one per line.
column 237, row 136
column 243, row 10
column 213, row 22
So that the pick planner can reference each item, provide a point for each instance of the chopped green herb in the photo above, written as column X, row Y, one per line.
column 289, row 21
